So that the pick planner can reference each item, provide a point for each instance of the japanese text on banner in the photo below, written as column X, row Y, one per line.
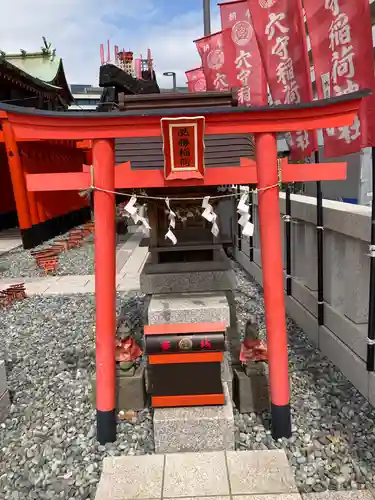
column 196, row 80
column 210, row 49
column 341, row 43
column 279, row 29
column 243, row 64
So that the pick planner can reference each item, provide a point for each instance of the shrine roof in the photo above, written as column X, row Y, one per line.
column 196, row 111
column 44, row 70
column 31, row 124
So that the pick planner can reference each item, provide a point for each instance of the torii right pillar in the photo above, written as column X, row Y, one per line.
column 273, row 282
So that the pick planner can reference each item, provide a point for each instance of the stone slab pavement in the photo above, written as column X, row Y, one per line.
column 230, row 475
column 9, row 239
column 130, row 259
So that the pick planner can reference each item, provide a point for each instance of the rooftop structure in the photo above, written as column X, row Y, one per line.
column 86, row 97
column 35, row 79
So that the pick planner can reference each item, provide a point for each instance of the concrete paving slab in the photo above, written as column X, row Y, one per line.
column 195, row 474
column 126, row 478
column 339, row 495
column 260, row 472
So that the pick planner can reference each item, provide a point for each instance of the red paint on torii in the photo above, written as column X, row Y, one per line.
column 126, row 178
column 264, row 123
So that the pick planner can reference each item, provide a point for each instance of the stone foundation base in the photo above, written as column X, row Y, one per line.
column 250, row 391
column 130, row 391
column 196, row 429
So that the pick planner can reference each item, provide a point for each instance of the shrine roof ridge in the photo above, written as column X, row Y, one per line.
column 196, row 111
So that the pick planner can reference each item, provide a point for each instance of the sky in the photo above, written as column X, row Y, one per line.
column 76, row 28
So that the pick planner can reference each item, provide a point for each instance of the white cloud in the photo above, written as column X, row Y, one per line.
column 76, row 28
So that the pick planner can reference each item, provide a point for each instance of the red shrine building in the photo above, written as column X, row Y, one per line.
column 36, row 80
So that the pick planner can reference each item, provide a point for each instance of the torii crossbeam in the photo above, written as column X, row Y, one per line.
column 102, row 128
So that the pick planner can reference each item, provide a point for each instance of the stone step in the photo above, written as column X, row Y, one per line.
column 195, row 429
column 339, row 495
column 257, row 475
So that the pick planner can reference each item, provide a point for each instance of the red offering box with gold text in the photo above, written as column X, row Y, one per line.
column 184, row 364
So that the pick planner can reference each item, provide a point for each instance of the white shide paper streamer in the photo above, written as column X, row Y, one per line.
column 137, row 213
column 244, row 221
column 172, row 223
column 210, row 215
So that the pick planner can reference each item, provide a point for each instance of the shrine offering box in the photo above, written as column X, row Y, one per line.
column 184, row 364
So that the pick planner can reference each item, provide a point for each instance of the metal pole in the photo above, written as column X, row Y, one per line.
column 371, row 307
column 174, row 82
column 251, row 200
column 239, row 228
column 207, row 17
column 319, row 246
column 288, row 253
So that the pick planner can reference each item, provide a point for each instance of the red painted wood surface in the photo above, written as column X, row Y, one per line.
column 41, row 158
column 7, row 203
column 191, row 357
column 272, row 268
column 40, row 125
column 126, row 178
column 196, row 400
column 105, row 277
column 184, row 328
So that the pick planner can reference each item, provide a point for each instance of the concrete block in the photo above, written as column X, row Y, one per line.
column 338, row 495
column 305, row 296
column 356, row 276
column 220, row 262
column 250, row 393
column 4, row 405
column 298, row 241
column 130, row 391
column 227, row 374
column 195, row 429
column 188, row 282
column 303, row 318
column 352, row 334
column 333, row 263
column 351, row 365
column 195, row 475
column 311, row 274
column 189, row 308
column 128, row 478
column 3, row 377
column 260, row 472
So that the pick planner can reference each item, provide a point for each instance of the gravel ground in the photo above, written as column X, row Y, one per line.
column 20, row 262
column 48, row 448
column 333, row 442
column 76, row 261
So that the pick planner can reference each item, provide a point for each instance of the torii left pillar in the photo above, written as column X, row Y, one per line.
column 105, row 288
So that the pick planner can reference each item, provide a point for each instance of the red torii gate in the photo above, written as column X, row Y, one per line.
column 102, row 128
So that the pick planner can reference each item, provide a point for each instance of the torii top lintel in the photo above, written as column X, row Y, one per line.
column 31, row 124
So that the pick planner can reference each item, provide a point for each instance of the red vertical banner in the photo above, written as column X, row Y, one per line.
column 196, row 80
column 281, row 36
column 341, row 42
column 210, row 49
column 243, row 64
